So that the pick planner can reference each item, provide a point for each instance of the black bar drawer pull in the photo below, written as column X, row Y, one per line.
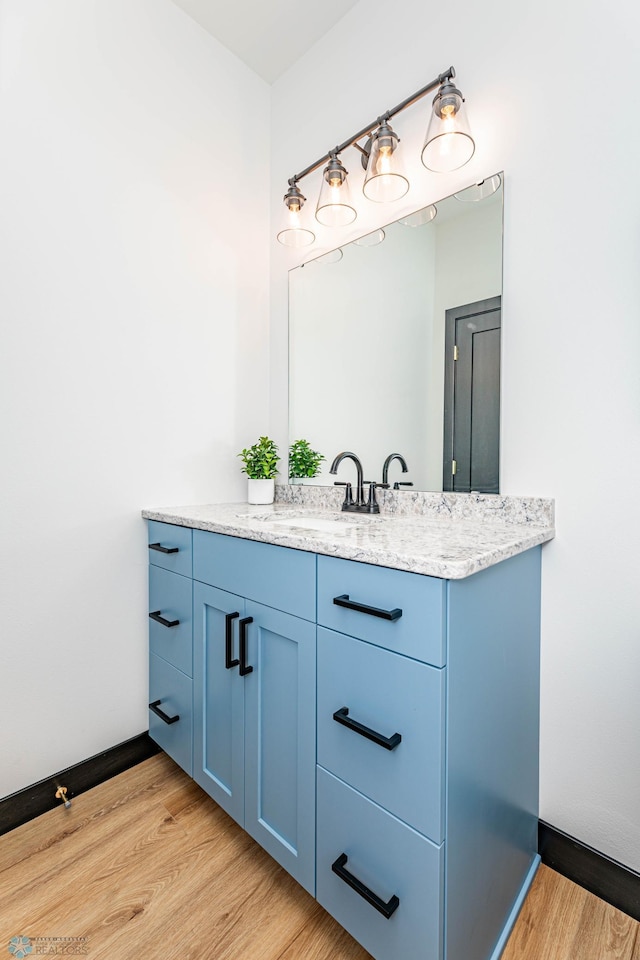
column 165, row 623
column 229, row 662
column 161, row 549
column 155, row 707
column 344, row 601
column 389, row 743
column 386, row 909
column 244, row 668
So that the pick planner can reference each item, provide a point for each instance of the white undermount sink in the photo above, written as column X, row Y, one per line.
column 324, row 524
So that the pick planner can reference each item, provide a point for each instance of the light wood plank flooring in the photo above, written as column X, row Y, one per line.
column 147, row 865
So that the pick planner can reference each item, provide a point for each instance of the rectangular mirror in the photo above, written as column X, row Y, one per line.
column 394, row 347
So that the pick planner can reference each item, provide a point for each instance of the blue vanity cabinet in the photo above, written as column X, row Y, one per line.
column 254, row 696
column 375, row 730
column 171, row 641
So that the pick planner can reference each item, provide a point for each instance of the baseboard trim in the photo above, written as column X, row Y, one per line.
column 24, row 805
column 597, row 873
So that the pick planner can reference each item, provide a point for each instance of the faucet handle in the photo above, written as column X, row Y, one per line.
column 348, row 493
column 400, row 483
column 372, row 503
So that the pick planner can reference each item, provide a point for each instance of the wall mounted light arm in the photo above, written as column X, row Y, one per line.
column 368, row 130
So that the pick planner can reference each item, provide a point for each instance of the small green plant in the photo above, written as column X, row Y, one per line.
column 260, row 460
column 303, row 461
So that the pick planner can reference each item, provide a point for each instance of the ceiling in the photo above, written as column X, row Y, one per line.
column 268, row 35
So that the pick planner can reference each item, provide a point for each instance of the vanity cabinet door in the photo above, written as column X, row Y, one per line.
column 254, row 722
column 218, row 699
column 280, row 739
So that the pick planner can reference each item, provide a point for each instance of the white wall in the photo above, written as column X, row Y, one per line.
column 549, row 88
column 133, row 310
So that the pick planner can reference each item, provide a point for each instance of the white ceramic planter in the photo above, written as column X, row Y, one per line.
column 260, row 491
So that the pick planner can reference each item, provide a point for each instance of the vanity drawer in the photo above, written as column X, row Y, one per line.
column 170, row 547
column 388, row 694
column 275, row 576
column 171, row 693
column 418, row 631
column 391, row 860
column 171, row 627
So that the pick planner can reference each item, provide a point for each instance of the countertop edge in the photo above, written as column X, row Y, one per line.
column 446, row 568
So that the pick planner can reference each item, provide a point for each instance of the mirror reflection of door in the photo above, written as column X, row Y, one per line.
column 471, row 458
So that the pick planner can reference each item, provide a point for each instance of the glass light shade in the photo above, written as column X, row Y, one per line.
column 420, row 217
column 293, row 234
column 334, row 207
column 371, row 239
column 448, row 144
column 481, row 190
column 384, row 180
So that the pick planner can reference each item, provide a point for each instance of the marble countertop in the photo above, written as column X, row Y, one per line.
column 434, row 545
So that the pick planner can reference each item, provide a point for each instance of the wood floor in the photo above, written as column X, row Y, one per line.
column 146, row 865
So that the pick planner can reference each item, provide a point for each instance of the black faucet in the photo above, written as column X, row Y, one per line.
column 359, row 506
column 385, row 471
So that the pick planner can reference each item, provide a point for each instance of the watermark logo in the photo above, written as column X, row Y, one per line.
column 20, row 947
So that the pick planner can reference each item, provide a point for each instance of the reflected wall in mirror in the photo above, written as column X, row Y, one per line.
column 371, row 359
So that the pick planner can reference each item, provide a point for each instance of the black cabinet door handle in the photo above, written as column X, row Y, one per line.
column 229, row 662
column 386, row 909
column 344, row 601
column 161, row 549
column 155, row 707
column 244, row 668
column 165, row 623
column 389, row 743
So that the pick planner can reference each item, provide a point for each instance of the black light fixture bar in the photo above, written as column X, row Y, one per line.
column 366, row 131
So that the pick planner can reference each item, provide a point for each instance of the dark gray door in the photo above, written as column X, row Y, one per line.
column 471, row 459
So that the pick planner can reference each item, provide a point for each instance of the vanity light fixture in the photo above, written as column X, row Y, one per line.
column 334, row 207
column 448, row 146
column 293, row 234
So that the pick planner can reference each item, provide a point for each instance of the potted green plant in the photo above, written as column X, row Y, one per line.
column 261, row 466
column 303, row 461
